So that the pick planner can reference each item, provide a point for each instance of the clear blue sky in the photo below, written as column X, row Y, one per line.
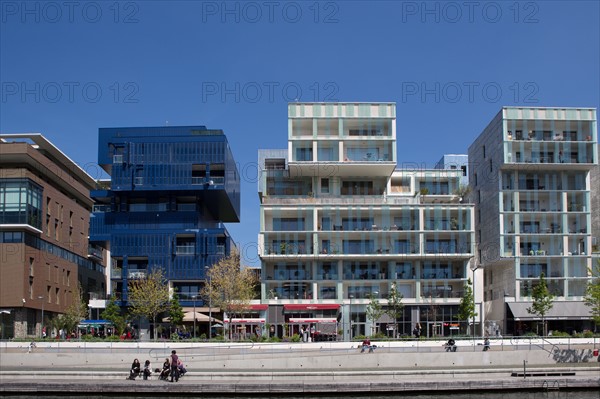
column 69, row 68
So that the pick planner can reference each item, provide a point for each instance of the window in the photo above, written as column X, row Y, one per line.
column 491, row 166
column 475, row 178
column 275, row 164
column 483, row 149
column 304, row 154
column 325, row 185
column 464, row 170
column 20, row 202
column 187, row 291
column 288, row 224
column 11, row 237
column 185, row 245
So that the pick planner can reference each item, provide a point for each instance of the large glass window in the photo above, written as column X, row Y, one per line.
column 20, row 202
column 288, row 224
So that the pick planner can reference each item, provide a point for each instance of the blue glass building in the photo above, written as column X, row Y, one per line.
column 171, row 189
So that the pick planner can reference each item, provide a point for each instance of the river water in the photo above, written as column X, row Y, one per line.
column 584, row 394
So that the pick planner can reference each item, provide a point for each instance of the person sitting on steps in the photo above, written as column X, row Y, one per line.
column 366, row 344
column 486, row 344
column 135, row 369
column 147, row 369
column 450, row 345
column 164, row 373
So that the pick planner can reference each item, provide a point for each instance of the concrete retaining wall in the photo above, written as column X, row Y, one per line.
column 312, row 356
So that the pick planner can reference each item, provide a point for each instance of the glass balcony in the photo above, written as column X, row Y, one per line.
column 95, row 251
column 445, row 291
column 134, row 274
column 185, row 249
column 116, row 273
column 555, row 286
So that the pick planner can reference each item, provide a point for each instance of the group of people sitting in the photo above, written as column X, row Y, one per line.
column 136, row 370
column 172, row 367
column 451, row 345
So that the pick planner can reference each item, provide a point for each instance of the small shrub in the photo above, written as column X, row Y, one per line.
column 560, row 334
column 295, row 338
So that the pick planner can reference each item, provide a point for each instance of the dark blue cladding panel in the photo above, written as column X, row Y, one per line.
column 171, row 190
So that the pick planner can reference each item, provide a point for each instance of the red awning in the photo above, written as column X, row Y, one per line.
column 311, row 320
column 246, row 321
column 311, row 306
column 258, row 307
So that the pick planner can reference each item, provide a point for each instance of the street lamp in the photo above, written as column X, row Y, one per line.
column 42, row 323
column 194, row 298
column 474, row 268
column 209, row 304
column 374, row 295
column 350, row 297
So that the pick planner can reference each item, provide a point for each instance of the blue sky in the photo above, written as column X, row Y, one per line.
column 69, row 68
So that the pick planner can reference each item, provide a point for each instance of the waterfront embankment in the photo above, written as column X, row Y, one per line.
column 320, row 367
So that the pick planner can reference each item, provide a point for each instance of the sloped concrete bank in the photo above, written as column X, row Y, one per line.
column 234, row 369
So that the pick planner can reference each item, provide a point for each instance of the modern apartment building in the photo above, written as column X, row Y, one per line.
column 456, row 161
column 171, row 189
column 530, row 174
column 44, row 223
column 339, row 225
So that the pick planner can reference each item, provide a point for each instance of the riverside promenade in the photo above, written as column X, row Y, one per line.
column 79, row 368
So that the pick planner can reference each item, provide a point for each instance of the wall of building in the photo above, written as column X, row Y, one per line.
column 43, row 269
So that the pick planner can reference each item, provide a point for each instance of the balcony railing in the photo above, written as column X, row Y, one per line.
column 346, row 200
column 136, row 274
column 95, row 251
column 441, row 293
column 288, row 275
column 185, row 249
column 210, row 181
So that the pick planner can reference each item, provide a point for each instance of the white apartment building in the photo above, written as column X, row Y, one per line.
column 339, row 224
column 530, row 174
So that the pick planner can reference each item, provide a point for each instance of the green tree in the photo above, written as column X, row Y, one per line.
column 74, row 313
column 230, row 287
column 176, row 311
column 542, row 301
column 592, row 294
column 395, row 307
column 113, row 314
column 466, row 308
column 77, row 309
column 149, row 296
column 374, row 310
